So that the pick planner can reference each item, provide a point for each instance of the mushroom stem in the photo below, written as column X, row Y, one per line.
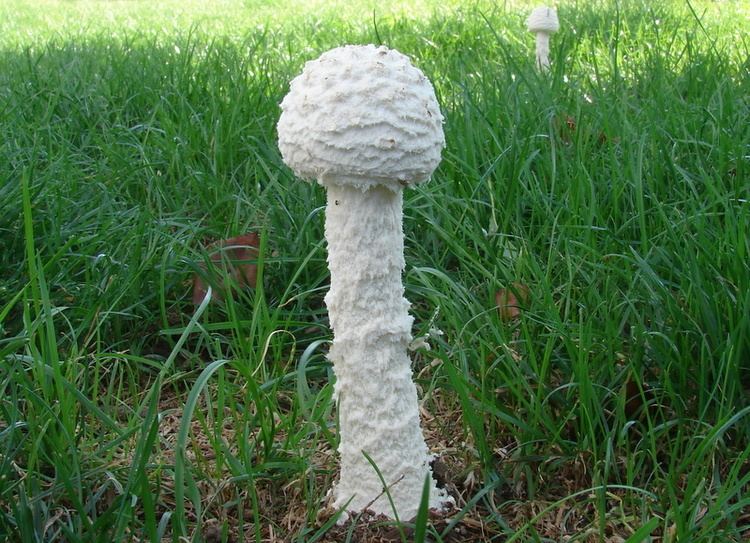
column 378, row 410
column 542, row 50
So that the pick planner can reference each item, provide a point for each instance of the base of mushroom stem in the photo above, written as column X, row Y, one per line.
column 445, row 506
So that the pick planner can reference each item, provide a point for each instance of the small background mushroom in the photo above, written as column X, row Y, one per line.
column 543, row 22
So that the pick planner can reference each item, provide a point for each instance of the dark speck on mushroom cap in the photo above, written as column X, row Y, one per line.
column 361, row 115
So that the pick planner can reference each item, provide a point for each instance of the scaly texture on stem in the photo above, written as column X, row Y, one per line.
column 378, row 411
column 542, row 50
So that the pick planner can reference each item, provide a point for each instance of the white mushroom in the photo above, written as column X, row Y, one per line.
column 543, row 22
column 365, row 123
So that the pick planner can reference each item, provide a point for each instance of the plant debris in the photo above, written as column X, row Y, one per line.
column 231, row 264
column 511, row 300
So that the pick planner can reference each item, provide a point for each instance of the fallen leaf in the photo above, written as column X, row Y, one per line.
column 604, row 139
column 230, row 258
column 636, row 403
column 571, row 122
column 511, row 300
column 565, row 127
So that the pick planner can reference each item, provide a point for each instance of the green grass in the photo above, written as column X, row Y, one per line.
column 617, row 188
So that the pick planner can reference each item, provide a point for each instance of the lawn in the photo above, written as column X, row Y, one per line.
column 615, row 406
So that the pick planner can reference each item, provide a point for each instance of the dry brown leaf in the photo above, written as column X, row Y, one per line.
column 565, row 126
column 636, row 403
column 511, row 300
column 570, row 122
column 231, row 258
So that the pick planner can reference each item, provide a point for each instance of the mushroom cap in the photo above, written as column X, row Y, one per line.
column 361, row 115
column 543, row 19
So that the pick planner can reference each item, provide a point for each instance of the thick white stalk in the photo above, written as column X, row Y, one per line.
column 377, row 399
column 542, row 50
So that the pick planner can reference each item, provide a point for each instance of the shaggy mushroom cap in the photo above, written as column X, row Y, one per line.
column 543, row 19
column 362, row 116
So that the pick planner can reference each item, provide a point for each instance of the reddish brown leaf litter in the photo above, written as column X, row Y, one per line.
column 570, row 122
column 369, row 528
column 566, row 127
column 232, row 259
column 511, row 300
column 639, row 397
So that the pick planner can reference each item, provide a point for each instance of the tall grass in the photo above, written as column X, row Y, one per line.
column 616, row 188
